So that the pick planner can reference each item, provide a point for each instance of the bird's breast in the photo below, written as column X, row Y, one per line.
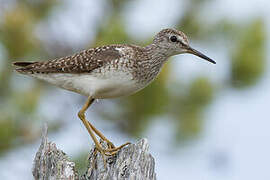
column 119, row 84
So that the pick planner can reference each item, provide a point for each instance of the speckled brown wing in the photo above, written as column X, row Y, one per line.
column 82, row 62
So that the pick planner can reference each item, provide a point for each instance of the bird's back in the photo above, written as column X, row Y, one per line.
column 82, row 62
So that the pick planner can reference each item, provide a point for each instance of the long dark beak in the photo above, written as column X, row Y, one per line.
column 201, row 55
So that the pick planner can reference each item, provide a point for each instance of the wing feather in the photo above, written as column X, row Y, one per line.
column 82, row 62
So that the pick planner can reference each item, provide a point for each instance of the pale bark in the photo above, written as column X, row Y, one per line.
column 131, row 162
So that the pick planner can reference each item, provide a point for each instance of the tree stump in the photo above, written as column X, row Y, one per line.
column 131, row 162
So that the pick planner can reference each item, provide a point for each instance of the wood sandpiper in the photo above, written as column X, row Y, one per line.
column 110, row 71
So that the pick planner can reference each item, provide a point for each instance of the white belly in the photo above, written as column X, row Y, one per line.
column 99, row 87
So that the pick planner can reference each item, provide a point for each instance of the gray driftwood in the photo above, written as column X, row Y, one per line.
column 131, row 162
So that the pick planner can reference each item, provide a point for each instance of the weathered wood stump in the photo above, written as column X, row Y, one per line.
column 131, row 162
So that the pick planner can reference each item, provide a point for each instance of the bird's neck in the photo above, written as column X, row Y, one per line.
column 152, row 61
column 156, row 54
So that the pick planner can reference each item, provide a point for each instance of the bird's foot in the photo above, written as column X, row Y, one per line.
column 110, row 145
column 111, row 150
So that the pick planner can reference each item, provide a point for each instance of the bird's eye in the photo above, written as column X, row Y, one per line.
column 173, row 38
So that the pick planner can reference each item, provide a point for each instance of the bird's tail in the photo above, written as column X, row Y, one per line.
column 24, row 67
column 23, row 64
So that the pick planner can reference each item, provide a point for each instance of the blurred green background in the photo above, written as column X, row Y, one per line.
column 46, row 29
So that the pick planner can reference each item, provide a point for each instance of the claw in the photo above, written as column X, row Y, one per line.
column 111, row 150
column 110, row 145
column 116, row 149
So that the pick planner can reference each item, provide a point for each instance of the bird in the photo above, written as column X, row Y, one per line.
column 110, row 71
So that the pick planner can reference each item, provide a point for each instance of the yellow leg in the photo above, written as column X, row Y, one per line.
column 111, row 148
column 81, row 115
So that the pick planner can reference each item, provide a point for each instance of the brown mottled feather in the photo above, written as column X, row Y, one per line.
column 82, row 62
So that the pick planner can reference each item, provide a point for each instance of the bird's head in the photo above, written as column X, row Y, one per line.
column 175, row 42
